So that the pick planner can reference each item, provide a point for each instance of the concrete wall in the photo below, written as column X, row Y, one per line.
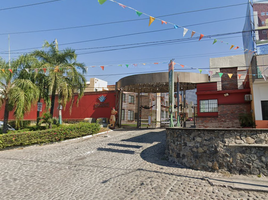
column 226, row 62
column 238, row 151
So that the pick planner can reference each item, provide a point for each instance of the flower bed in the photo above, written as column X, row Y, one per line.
column 48, row 136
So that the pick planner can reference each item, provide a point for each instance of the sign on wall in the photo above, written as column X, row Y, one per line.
column 101, row 103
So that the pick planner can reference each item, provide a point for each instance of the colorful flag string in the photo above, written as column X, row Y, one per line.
column 185, row 30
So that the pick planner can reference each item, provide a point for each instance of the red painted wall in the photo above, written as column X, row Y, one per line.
column 206, row 91
column 89, row 107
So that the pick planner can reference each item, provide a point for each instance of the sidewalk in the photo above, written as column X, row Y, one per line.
column 241, row 183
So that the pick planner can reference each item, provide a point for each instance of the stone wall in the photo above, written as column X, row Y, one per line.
column 238, row 151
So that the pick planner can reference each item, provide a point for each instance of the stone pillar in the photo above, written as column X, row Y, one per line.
column 158, row 110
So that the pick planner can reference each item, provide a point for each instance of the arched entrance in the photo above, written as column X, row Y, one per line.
column 155, row 83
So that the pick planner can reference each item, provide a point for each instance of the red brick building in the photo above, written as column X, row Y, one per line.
column 219, row 103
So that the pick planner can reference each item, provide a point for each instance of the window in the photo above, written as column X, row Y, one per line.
column 262, row 13
column 123, row 114
column 263, row 23
column 130, row 114
column 209, row 105
column 264, row 108
column 264, row 32
column 162, row 114
column 167, row 114
column 131, row 99
column 266, row 13
column 124, row 98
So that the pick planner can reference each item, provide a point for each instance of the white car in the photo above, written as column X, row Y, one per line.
column 10, row 128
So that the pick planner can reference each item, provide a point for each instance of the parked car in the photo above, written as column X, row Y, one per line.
column 190, row 119
column 10, row 128
column 166, row 122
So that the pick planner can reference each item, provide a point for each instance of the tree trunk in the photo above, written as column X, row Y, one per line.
column 6, row 113
column 53, row 96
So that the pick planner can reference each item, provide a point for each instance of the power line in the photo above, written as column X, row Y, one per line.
column 114, row 22
column 158, row 43
column 28, row 5
column 4, row 52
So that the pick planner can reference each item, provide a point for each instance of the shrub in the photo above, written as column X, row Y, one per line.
column 48, row 135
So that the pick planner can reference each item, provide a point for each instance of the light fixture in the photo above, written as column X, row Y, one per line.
column 226, row 94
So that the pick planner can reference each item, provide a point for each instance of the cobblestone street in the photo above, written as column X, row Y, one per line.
column 116, row 165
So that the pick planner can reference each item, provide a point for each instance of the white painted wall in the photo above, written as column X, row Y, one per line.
column 260, row 93
column 96, row 84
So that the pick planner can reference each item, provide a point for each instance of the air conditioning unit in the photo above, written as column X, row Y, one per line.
column 248, row 97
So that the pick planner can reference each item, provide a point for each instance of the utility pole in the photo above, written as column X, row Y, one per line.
column 9, row 51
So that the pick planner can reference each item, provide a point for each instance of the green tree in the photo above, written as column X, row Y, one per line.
column 17, row 93
column 63, row 77
column 35, row 71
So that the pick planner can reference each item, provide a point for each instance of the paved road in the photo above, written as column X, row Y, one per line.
column 118, row 165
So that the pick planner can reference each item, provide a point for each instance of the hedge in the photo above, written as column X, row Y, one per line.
column 47, row 136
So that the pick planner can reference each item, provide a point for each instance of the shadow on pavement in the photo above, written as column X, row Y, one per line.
column 125, row 145
column 116, row 150
column 150, row 137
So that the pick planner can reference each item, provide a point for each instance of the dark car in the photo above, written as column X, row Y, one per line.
column 190, row 119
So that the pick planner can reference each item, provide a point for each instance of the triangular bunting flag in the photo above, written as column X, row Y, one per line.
column 201, row 36
column 44, row 69
column 3, row 70
column 120, row 65
column 236, row 48
column 230, row 75
column 151, row 20
column 156, row 63
column 185, row 30
column 101, row 1
column 135, row 65
column 231, row 47
column 239, row 76
column 200, row 70
column 123, row 6
column 10, row 70
column 27, row 70
column 144, row 63
column 102, row 67
column 210, row 72
column 215, row 40
column 193, row 32
column 127, row 65
column 175, row 26
column 139, row 13
column 163, row 22
column 182, row 66
column 220, row 74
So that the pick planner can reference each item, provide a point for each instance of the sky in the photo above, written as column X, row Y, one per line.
column 103, row 34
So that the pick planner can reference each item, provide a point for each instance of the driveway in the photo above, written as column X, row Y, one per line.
column 116, row 165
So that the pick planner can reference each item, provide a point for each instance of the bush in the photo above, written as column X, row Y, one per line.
column 46, row 136
column 246, row 120
column 21, row 125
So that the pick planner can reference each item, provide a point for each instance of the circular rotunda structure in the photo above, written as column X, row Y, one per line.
column 156, row 83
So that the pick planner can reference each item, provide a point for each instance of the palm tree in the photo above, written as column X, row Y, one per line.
column 34, row 71
column 64, row 78
column 16, row 92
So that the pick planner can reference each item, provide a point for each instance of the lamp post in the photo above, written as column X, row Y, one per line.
column 60, row 115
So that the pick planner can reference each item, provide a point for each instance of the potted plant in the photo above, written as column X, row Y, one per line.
column 246, row 120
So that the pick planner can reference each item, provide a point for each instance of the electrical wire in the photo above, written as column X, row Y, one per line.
column 28, row 5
